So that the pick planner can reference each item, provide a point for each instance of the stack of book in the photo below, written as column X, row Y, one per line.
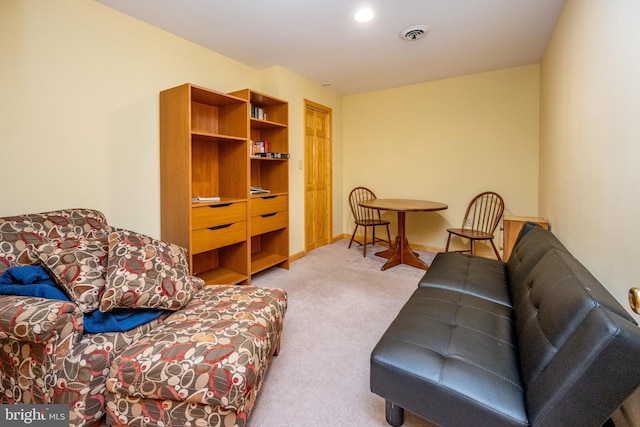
column 205, row 199
column 259, row 147
column 258, row 190
column 273, row 155
column 258, row 112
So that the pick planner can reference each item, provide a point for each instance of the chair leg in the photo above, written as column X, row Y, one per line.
column 495, row 250
column 364, row 243
column 353, row 235
column 473, row 247
column 446, row 249
column 373, row 242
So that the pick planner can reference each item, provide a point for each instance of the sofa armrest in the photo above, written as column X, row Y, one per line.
column 36, row 319
column 36, row 334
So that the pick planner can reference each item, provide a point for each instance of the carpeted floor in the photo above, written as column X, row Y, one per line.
column 340, row 303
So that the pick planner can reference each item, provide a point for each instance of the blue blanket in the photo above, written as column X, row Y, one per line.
column 26, row 275
column 118, row 320
column 35, row 281
column 40, row 284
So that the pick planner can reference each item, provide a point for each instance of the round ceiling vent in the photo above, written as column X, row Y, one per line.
column 415, row 32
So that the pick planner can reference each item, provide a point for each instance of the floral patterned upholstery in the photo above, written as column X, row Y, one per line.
column 35, row 336
column 46, row 360
column 212, row 354
column 20, row 234
column 77, row 265
column 205, row 362
column 143, row 272
column 45, row 357
column 82, row 380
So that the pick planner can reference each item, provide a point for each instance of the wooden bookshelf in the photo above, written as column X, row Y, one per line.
column 268, row 213
column 205, row 152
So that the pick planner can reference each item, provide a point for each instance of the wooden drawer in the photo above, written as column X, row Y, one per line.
column 206, row 239
column 268, row 204
column 269, row 222
column 214, row 215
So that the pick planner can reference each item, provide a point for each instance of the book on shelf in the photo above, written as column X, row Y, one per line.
column 259, row 147
column 258, row 112
column 258, row 190
column 272, row 155
column 205, row 199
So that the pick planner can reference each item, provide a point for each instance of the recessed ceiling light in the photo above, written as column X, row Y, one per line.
column 363, row 15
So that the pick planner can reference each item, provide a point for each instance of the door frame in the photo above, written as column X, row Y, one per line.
column 319, row 107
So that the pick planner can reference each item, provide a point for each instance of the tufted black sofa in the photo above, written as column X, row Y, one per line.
column 536, row 341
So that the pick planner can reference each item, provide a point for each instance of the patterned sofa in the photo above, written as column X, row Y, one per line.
column 203, row 355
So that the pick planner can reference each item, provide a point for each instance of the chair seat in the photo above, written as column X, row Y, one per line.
column 370, row 222
column 470, row 234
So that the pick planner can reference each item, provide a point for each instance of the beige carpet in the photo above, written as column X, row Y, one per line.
column 340, row 303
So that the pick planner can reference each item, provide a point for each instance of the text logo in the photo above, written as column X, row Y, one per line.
column 34, row 415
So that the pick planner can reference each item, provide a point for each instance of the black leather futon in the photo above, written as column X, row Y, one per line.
column 536, row 341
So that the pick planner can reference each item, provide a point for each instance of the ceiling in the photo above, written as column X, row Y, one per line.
column 321, row 41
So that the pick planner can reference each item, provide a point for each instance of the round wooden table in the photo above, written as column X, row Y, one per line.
column 400, row 252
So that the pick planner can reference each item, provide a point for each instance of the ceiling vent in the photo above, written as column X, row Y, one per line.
column 415, row 32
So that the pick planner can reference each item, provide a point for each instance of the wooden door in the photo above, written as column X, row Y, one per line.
column 317, row 175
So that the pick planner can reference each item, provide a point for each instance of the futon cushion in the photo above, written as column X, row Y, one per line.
column 532, row 243
column 449, row 356
column 481, row 277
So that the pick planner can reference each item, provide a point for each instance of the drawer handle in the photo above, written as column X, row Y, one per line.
column 218, row 227
column 222, row 205
column 268, row 197
column 268, row 215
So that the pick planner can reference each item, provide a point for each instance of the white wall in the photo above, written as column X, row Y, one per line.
column 590, row 138
column 79, row 120
column 446, row 141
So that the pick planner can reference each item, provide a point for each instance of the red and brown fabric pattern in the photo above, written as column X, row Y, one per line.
column 213, row 353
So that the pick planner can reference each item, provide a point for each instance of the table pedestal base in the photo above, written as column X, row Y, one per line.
column 400, row 252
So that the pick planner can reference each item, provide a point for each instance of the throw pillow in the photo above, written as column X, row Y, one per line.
column 79, row 266
column 143, row 272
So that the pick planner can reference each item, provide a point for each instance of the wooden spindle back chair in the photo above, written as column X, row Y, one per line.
column 366, row 217
column 480, row 221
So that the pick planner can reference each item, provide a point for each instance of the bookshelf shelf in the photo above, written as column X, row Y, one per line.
column 266, row 124
column 261, row 261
